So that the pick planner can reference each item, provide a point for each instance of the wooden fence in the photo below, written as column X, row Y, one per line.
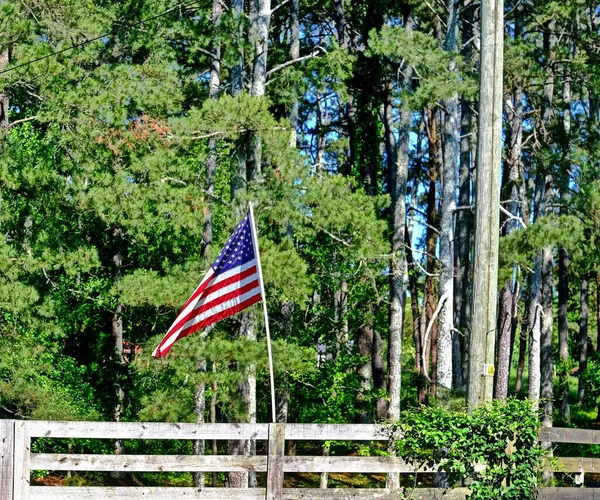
column 17, row 461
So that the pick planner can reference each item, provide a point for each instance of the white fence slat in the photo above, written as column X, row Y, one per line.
column 146, row 430
column 135, row 493
column 336, row 432
column 148, row 463
column 22, row 459
column 142, row 492
column 219, row 463
column 7, row 443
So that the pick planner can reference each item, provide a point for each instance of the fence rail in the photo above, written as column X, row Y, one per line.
column 17, row 461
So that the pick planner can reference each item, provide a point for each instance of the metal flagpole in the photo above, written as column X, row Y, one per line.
column 264, row 301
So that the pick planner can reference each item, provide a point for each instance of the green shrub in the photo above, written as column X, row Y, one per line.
column 503, row 436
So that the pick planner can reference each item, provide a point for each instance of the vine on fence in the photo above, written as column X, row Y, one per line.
column 502, row 436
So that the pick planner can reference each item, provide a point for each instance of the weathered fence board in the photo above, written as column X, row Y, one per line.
column 165, row 430
column 564, row 435
column 148, row 463
column 224, row 463
column 336, row 432
column 22, row 459
column 146, row 430
column 7, row 443
column 134, row 493
column 275, row 462
column 568, row 494
column 575, row 464
column 145, row 493
column 142, row 492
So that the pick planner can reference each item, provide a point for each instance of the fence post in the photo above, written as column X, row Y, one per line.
column 7, row 444
column 22, row 461
column 275, row 462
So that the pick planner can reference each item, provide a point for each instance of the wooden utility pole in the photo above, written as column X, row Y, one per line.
column 487, row 203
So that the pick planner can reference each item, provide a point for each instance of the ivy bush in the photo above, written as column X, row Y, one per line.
column 502, row 436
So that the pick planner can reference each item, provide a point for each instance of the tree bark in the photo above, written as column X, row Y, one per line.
column 582, row 341
column 397, row 178
column 429, row 345
column 365, row 370
column 451, row 152
column 563, row 333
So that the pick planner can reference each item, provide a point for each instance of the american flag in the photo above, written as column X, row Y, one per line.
column 231, row 285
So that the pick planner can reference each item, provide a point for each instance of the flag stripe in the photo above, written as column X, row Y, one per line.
column 223, row 313
column 219, row 314
column 211, row 279
column 212, row 292
column 231, row 292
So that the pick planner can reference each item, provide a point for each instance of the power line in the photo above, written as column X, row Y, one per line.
column 89, row 40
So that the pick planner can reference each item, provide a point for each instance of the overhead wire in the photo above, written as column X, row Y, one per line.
column 90, row 40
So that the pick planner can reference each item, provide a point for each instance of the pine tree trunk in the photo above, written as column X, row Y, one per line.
column 397, row 185
column 451, row 152
column 431, row 238
column 117, row 332
column 397, row 179
column 546, row 360
column 598, row 312
column 582, row 341
column 365, row 370
column 464, row 217
column 4, row 100
column 563, row 333
column 207, row 231
column 294, row 55
column 510, row 191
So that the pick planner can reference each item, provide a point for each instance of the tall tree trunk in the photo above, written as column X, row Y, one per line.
column 117, row 332
column 4, row 101
column 464, row 217
column 207, row 231
column 378, row 370
column 431, row 239
column 598, row 311
column 522, row 347
column 365, row 370
column 510, row 191
column 397, row 178
column 294, row 55
column 582, row 341
column 563, row 333
column 447, row 208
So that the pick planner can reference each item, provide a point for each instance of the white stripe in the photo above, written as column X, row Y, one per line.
column 171, row 334
column 171, row 337
column 235, row 270
column 222, row 307
column 216, row 278
column 225, row 290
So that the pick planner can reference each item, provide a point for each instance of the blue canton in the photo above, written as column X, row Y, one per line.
column 238, row 250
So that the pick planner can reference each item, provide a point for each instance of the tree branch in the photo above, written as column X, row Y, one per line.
column 314, row 53
column 443, row 299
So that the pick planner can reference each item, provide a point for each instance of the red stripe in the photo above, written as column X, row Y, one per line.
column 207, row 291
column 198, row 291
column 209, row 321
column 232, row 279
column 230, row 311
column 224, row 298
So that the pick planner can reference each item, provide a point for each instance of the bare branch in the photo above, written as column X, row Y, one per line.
column 512, row 217
column 443, row 299
column 16, row 122
column 314, row 53
column 278, row 6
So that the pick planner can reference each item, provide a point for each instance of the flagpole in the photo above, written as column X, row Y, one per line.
column 264, row 301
